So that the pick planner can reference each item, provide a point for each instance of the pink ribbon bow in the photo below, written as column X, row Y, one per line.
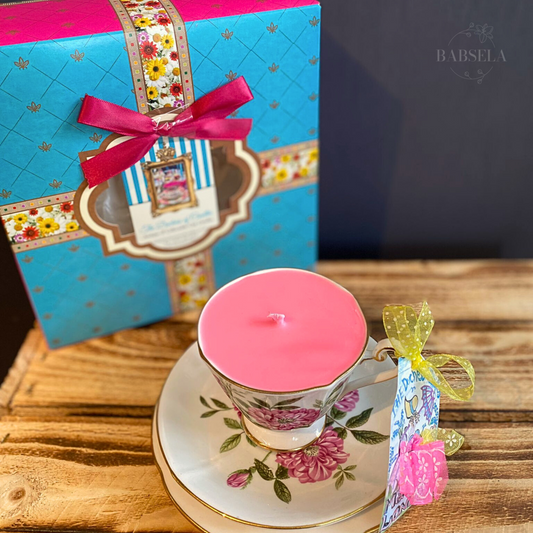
column 423, row 473
column 204, row 119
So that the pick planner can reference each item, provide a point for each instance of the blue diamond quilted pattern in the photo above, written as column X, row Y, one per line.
column 79, row 293
column 56, row 82
column 282, row 232
column 291, row 50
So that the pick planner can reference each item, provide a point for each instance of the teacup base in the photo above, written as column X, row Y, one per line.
column 283, row 441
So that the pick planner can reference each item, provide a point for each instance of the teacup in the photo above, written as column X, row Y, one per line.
column 261, row 322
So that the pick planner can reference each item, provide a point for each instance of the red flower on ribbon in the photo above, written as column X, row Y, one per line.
column 174, row 56
column 176, row 89
column 30, row 233
column 149, row 50
column 67, row 207
column 153, row 4
column 34, row 212
column 163, row 20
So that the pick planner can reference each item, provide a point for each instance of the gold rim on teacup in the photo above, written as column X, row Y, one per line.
column 281, row 393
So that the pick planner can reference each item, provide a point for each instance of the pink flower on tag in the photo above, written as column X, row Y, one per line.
column 279, row 419
column 348, row 402
column 316, row 462
column 422, row 470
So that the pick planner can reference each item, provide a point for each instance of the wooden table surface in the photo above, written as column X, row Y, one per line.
column 75, row 451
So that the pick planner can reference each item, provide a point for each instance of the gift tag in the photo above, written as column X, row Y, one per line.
column 415, row 409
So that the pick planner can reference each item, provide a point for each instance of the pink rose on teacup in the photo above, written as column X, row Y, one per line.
column 316, row 462
column 278, row 419
column 348, row 402
column 239, row 479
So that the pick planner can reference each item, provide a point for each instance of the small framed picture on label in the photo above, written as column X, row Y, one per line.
column 170, row 184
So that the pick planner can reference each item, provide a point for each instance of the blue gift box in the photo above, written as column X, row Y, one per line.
column 192, row 214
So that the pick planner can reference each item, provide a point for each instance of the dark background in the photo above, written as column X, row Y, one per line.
column 416, row 162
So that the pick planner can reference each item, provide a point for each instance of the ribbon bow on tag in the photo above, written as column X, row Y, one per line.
column 408, row 334
column 204, row 119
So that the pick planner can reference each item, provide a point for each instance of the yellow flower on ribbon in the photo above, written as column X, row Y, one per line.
column 184, row 279
column 152, row 93
column 304, row 172
column 201, row 278
column 72, row 226
column 47, row 226
column 176, row 71
column 201, row 302
column 167, row 41
column 313, row 155
column 185, row 298
column 21, row 218
column 18, row 227
column 408, row 334
column 48, row 208
column 143, row 22
column 285, row 158
column 155, row 68
column 156, row 37
column 282, row 175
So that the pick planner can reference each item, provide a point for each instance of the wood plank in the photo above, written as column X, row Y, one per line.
column 455, row 290
column 33, row 344
column 122, row 375
column 97, row 474
column 82, row 475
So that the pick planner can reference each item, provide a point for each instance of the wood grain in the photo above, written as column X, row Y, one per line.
column 73, row 474
column 75, row 451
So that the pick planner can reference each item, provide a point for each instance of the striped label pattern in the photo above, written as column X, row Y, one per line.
column 202, row 167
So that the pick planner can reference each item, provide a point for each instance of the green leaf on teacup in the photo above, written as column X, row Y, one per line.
column 260, row 403
column 282, row 472
column 207, row 414
column 230, row 443
column 339, row 482
column 219, row 404
column 203, row 401
column 369, row 437
column 341, row 432
column 282, row 492
column 232, row 424
column 251, row 442
column 359, row 420
column 287, row 402
column 263, row 470
column 336, row 414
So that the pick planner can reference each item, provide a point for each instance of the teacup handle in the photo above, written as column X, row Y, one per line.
column 375, row 367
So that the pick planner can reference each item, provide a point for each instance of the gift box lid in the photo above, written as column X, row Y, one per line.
column 60, row 19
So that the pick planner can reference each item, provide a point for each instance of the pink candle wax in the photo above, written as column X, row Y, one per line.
column 282, row 330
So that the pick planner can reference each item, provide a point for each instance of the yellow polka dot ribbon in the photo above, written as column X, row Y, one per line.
column 408, row 334
column 452, row 440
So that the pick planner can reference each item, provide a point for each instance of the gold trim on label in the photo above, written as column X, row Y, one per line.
column 233, row 518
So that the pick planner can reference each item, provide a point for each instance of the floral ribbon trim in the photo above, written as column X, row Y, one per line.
column 408, row 334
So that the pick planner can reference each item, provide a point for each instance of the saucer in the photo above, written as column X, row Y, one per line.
column 366, row 521
column 206, row 453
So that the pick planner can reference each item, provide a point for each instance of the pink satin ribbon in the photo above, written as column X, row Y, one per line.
column 423, row 472
column 204, row 119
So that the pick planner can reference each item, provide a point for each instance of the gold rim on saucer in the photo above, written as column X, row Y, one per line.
column 234, row 518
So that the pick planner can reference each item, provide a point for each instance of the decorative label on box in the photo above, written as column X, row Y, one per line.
column 192, row 214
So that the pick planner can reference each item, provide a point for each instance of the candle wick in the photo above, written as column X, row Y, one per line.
column 278, row 318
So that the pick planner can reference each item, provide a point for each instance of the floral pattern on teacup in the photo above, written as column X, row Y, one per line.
column 278, row 420
column 322, row 460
